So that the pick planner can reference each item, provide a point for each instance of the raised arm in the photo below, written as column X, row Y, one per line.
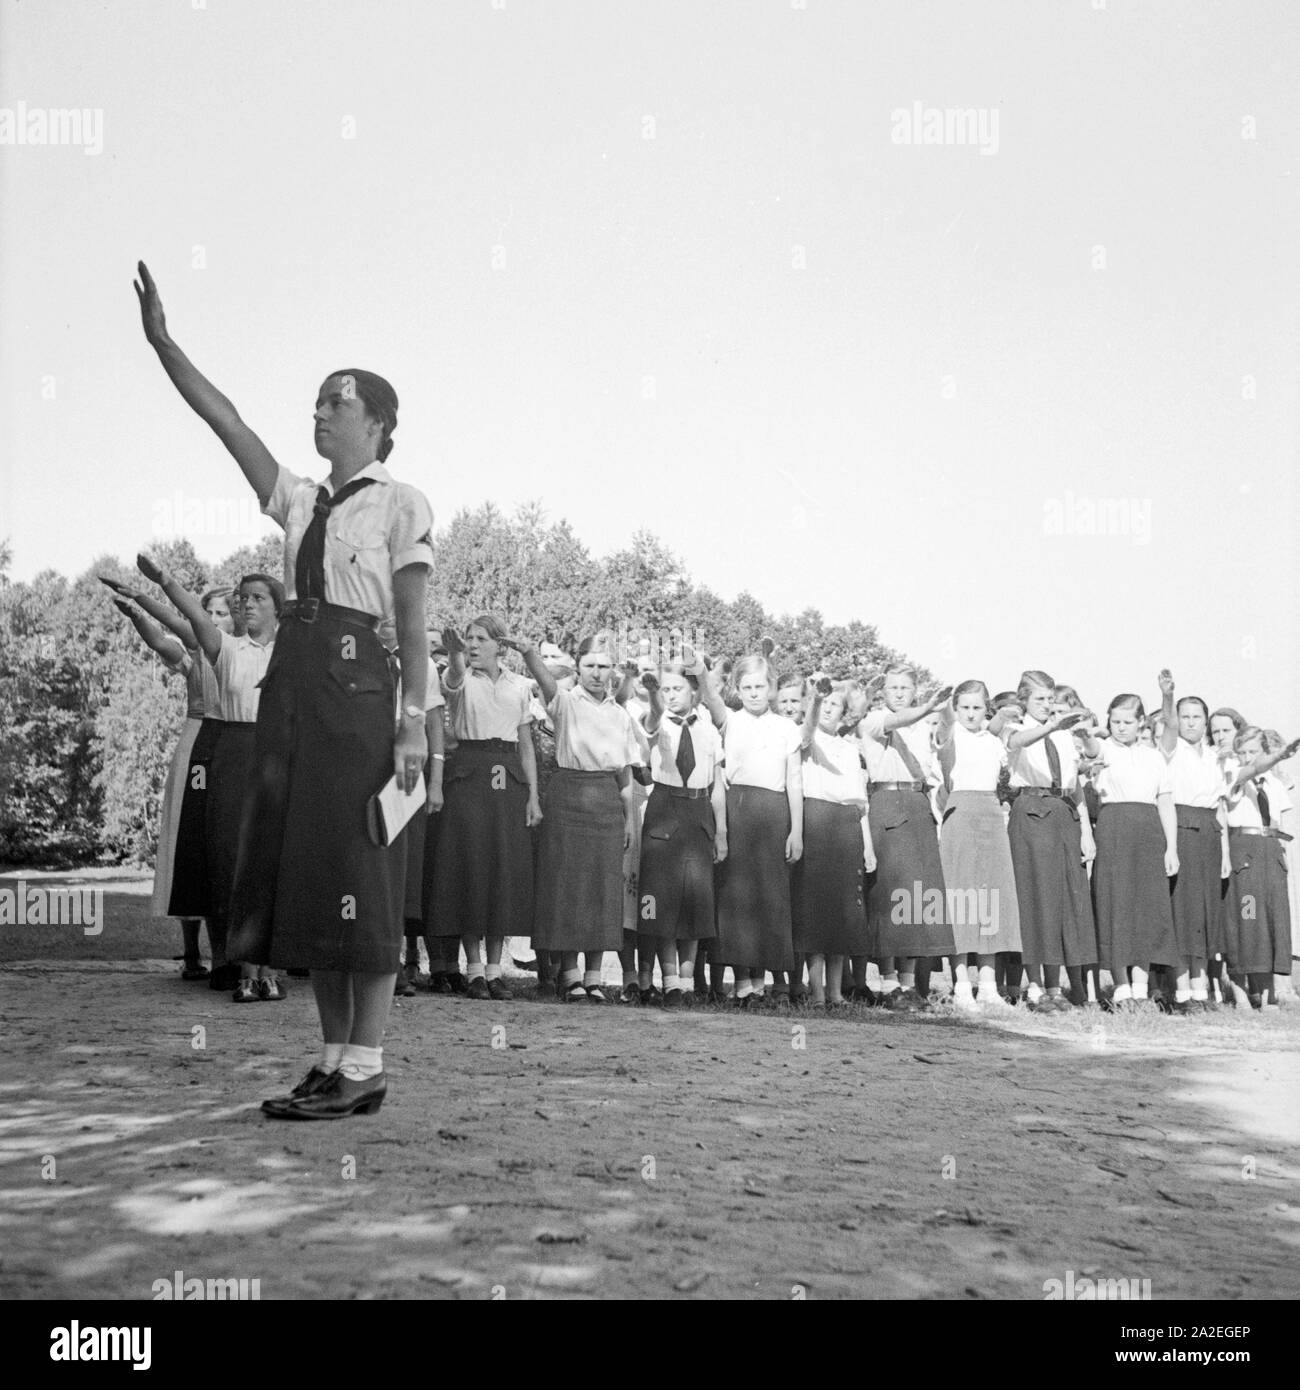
column 654, row 715
column 1024, row 736
column 202, row 396
column 1169, row 734
column 171, row 651
column 454, row 676
column 813, row 713
column 161, row 613
column 206, row 633
column 532, row 659
column 1262, row 764
column 710, row 697
column 901, row 718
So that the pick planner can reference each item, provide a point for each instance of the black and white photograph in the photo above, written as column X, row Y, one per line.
column 649, row 652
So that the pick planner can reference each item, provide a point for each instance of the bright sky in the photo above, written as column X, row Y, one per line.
column 676, row 266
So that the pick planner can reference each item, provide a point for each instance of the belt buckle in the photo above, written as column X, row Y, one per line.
column 307, row 609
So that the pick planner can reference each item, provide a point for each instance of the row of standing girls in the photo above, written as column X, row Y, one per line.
column 785, row 831
column 207, row 781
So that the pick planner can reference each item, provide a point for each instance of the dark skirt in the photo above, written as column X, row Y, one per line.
column 1056, row 922
column 483, row 879
column 1257, row 913
column 1197, row 888
column 579, row 897
column 978, row 875
column 311, row 888
column 1135, row 923
column 753, row 884
column 827, row 892
column 190, row 895
column 415, row 834
column 907, row 911
column 169, row 817
column 228, row 775
column 676, row 878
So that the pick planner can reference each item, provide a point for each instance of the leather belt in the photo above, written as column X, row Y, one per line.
column 895, row 787
column 1041, row 791
column 685, row 793
column 1268, row 831
column 307, row 610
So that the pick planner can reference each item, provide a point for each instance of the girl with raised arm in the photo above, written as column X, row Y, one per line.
column 483, row 878
column 588, row 821
column 311, row 888
column 906, row 903
column 1051, row 841
column 172, row 639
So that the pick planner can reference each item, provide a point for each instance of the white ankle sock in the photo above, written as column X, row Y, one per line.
column 474, row 970
column 493, row 972
column 962, row 990
column 592, row 979
column 672, row 982
column 361, row 1063
column 1122, row 992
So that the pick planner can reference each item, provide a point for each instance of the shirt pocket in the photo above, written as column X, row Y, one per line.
column 356, row 678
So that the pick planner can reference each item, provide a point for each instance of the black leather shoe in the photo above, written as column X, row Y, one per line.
column 478, row 988
column 314, row 1081
column 338, row 1098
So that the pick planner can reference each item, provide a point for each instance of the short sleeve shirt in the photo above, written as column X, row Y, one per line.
column 757, row 748
column 376, row 532
column 592, row 735
column 705, row 741
column 832, row 770
column 978, row 760
column 240, row 665
column 885, row 763
column 481, row 707
column 1029, row 765
column 1243, row 808
column 1131, row 772
column 1195, row 774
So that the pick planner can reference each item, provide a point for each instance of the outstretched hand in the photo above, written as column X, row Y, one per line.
column 824, row 686
column 1166, row 681
column 150, row 568
column 117, row 586
column 453, row 641
column 650, row 681
column 151, row 309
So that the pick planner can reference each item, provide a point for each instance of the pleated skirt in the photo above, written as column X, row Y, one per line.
column 229, row 776
column 311, row 888
column 676, row 899
column 978, row 874
column 907, row 911
column 483, row 878
column 828, row 889
column 189, row 873
column 1130, row 889
column 1057, row 926
column 1257, row 910
column 753, row 882
column 579, row 896
column 1197, row 888
column 169, row 819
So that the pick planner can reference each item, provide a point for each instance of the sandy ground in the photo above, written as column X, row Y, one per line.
column 533, row 1150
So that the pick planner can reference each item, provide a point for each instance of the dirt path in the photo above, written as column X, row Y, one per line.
column 631, row 1153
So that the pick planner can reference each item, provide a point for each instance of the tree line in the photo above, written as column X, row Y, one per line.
column 89, row 717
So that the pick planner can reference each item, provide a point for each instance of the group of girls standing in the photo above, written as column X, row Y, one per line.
column 798, row 829
column 207, row 782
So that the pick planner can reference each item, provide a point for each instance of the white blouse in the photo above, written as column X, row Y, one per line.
column 885, row 764
column 240, row 665
column 1243, row 808
column 1196, row 775
column 1131, row 772
column 704, row 739
column 757, row 747
column 832, row 770
column 978, row 759
column 1029, row 765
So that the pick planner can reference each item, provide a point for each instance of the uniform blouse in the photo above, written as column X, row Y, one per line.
column 377, row 531
column 705, row 741
column 1029, row 765
column 240, row 665
column 757, row 748
column 832, row 770
column 1196, row 775
column 1243, row 808
column 978, row 760
column 591, row 735
column 884, row 763
column 201, row 698
column 481, row 707
column 1131, row 772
